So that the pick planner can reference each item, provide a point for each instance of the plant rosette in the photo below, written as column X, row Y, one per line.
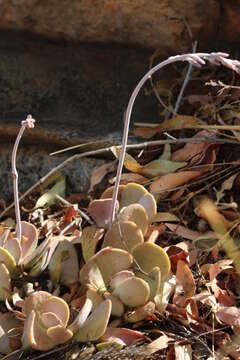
column 111, row 274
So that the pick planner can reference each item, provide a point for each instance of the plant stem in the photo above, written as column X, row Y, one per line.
column 28, row 123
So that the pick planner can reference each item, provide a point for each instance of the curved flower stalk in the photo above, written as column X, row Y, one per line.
column 28, row 123
column 196, row 59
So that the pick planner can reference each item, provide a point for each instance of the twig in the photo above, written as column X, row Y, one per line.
column 28, row 123
column 108, row 149
column 198, row 59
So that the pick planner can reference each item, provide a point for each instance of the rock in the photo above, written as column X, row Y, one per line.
column 146, row 23
column 76, row 93
column 33, row 162
column 230, row 18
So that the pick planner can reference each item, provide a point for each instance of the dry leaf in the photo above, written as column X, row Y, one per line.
column 99, row 173
column 165, row 217
column 185, row 232
column 194, row 152
column 130, row 177
column 229, row 315
column 161, row 166
column 185, row 286
column 173, row 180
column 122, row 336
column 160, row 343
column 179, row 122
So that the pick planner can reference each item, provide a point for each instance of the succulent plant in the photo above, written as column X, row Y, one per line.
column 127, row 270
column 111, row 274
column 46, row 321
column 56, row 252
column 135, row 203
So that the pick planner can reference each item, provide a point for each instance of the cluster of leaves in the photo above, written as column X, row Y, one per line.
column 112, row 281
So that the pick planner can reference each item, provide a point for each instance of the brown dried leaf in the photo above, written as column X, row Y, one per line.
column 185, row 232
column 194, row 152
column 218, row 267
column 185, row 286
column 122, row 336
column 229, row 315
column 177, row 123
column 160, row 343
column 173, row 180
column 99, row 173
column 130, row 177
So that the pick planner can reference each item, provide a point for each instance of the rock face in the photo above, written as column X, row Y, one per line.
column 76, row 93
column 145, row 23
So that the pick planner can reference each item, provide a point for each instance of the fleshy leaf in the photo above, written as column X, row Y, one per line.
column 133, row 292
column 109, row 261
column 153, row 280
column 8, row 323
column 29, row 240
column 137, row 214
column 149, row 203
column 91, row 235
column 82, row 316
column 117, row 305
column 7, row 259
column 123, row 235
column 149, row 255
column 141, row 313
column 131, row 194
column 13, row 246
column 46, row 320
column 122, row 336
column 5, row 283
column 108, row 193
column 59, row 334
column 95, row 278
column 120, row 277
column 100, row 211
column 95, row 326
column 95, row 296
column 63, row 266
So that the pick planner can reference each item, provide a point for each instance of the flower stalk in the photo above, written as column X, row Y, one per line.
column 195, row 59
column 28, row 123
